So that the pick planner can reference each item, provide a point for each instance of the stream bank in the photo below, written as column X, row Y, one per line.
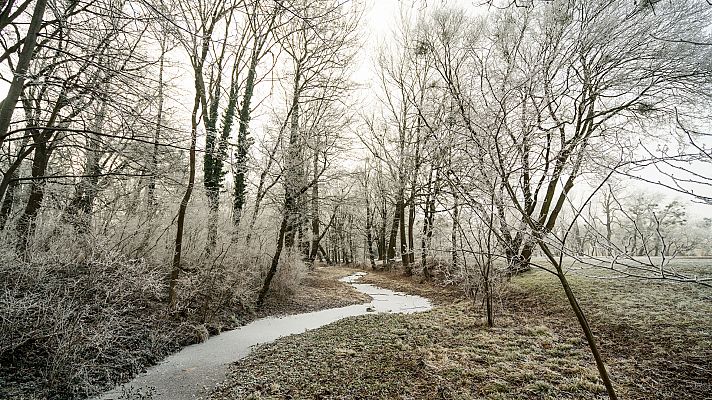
column 195, row 370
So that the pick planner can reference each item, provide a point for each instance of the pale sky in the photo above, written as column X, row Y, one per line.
column 380, row 19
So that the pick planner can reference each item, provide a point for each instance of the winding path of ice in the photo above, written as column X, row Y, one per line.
column 195, row 370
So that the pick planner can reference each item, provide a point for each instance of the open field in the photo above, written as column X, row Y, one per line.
column 655, row 337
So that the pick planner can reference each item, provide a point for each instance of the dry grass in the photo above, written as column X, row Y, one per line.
column 70, row 329
column 656, row 338
column 319, row 290
column 445, row 353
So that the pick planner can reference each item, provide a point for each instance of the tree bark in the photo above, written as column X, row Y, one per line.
column 608, row 211
column 316, row 237
column 81, row 207
column 369, row 234
column 583, row 322
column 253, row 220
column 391, row 251
column 9, row 183
column 427, row 228
column 382, row 252
column 7, row 107
column 243, row 146
column 11, row 172
column 455, row 227
column 151, row 203
column 325, row 255
column 243, row 142
column 27, row 222
column 8, row 201
column 213, row 197
column 180, row 223
column 350, row 239
column 292, row 176
column 411, row 236
column 275, row 262
column 405, row 257
column 151, row 198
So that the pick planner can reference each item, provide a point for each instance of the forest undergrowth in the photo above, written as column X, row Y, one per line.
column 73, row 326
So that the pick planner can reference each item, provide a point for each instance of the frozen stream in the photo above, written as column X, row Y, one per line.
column 195, row 370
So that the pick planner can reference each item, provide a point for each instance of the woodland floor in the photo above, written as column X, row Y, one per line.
column 141, row 337
column 320, row 290
column 655, row 337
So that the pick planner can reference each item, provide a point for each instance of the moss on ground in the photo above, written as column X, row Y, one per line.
column 656, row 338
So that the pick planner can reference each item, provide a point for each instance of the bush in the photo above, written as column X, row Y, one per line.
column 72, row 328
column 84, row 312
column 290, row 274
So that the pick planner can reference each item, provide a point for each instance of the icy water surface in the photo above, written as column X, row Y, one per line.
column 195, row 370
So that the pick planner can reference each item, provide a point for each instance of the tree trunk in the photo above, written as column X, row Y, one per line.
column 292, row 176
column 81, row 207
column 314, row 220
column 578, row 240
column 8, row 200
column 178, row 248
column 411, row 237
column 350, row 238
column 151, row 200
column 344, row 250
column 427, row 228
column 151, row 203
column 304, row 241
column 212, row 176
column 313, row 249
column 7, row 106
column 27, row 222
column 583, row 322
column 391, row 251
column 243, row 146
column 10, row 176
column 609, row 221
column 488, row 293
column 213, row 197
column 405, row 257
column 369, row 235
column 325, row 255
column 275, row 262
column 253, row 220
column 455, row 228
column 521, row 258
column 382, row 252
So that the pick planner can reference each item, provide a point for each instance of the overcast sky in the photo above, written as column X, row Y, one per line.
column 380, row 19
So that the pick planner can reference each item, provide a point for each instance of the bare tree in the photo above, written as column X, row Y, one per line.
column 197, row 42
column 549, row 88
column 319, row 47
column 28, row 43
